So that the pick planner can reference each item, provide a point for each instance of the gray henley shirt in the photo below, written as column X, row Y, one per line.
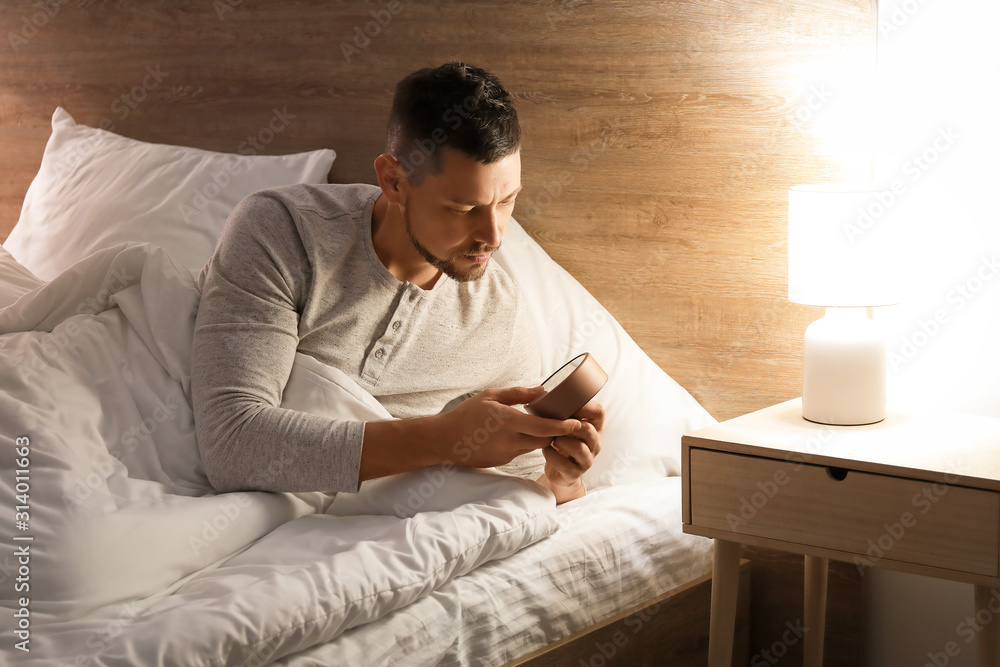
column 296, row 270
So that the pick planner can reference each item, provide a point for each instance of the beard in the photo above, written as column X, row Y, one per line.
column 449, row 266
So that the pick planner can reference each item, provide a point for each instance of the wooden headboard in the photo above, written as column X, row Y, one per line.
column 659, row 137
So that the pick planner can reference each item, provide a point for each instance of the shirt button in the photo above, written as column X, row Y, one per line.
column 378, row 353
column 396, row 325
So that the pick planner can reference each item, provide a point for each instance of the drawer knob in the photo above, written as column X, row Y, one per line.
column 839, row 474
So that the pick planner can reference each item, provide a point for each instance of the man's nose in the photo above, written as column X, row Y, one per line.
column 488, row 228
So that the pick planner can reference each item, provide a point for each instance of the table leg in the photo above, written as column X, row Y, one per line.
column 988, row 639
column 815, row 607
column 725, row 586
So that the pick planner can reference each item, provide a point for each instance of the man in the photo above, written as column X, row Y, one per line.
column 394, row 286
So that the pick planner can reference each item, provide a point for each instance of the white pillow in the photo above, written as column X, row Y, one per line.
column 96, row 189
column 15, row 279
column 647, row 411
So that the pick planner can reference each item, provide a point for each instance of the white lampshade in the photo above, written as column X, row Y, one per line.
column 842, row 249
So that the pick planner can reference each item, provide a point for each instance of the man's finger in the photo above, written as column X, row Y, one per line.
column 571, row 451
column 587, row 436
column 515, row 395
column 544, row 427
column 592, row 412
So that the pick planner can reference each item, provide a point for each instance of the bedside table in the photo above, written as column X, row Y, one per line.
column 917, row 493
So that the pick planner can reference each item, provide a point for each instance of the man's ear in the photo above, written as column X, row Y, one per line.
column 391, row 178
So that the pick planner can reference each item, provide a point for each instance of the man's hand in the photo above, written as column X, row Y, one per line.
column 568, row 457
column 483, row 431
column 487, row 430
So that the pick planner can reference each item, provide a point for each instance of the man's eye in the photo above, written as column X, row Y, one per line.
column 461, row 210
column 509, row 202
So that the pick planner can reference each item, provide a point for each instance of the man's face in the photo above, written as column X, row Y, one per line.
column 457, row 218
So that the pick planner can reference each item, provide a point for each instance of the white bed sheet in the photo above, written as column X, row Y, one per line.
column 615, row 548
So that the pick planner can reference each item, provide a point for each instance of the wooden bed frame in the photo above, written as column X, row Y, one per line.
column 659, row 142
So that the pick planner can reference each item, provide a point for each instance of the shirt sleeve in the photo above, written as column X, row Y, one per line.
column 245, row 339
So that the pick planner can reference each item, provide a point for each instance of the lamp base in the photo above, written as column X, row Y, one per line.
column 843, row 369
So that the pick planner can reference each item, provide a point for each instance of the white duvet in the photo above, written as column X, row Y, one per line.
column 616, row 548
column 126, row 557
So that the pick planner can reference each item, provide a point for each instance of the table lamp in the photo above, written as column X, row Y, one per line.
column 841, row 254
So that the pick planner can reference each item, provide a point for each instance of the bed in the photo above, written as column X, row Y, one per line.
column 110, row 114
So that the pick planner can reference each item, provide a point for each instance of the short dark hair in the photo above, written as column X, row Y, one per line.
column 455, row 105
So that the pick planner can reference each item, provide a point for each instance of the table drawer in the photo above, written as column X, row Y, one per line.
column 874, row 516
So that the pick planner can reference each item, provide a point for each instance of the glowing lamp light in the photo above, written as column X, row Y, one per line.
column 841, row 255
